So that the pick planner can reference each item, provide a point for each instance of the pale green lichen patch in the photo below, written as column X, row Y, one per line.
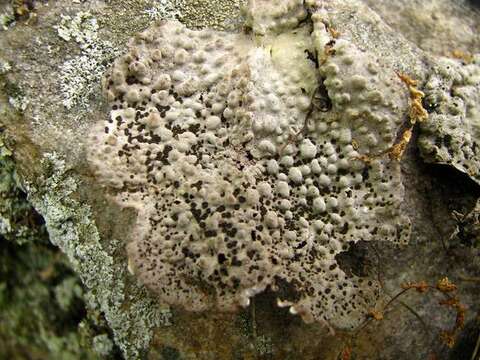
column 102, row 344
column 35, row 322
column 132, row 316
column 5, row 67
column 80, row 76
column 18, row 100
column 263, row 345
column 218, row 14
column 162, row 9
column 38, row 290
column 6, row 21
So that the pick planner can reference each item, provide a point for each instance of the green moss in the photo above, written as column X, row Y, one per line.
column 6, row 20
column 169, row 353
column 19, row 222
column 35, row 323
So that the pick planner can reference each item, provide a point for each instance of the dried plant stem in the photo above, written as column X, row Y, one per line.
column 477, row 348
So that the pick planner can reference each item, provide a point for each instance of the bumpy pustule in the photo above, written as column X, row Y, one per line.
column 238, row 184
column 347, row 199
column 265, row 16
column 452, row 133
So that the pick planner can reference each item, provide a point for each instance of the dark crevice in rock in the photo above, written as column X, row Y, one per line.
column 457, row 189
column 360, row 259
column 286, row 291
column 466, row 342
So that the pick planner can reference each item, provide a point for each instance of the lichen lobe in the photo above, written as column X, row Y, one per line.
column 239, row 186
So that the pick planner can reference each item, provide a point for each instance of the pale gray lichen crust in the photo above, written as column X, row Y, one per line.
column 239, row 186
column 451, row 135
column 80, row 75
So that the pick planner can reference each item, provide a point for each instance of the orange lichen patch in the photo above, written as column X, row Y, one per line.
column 460, row 319
column 450, row 301
column 461, row 55
column 333, row 32
column 448, row 338
column 407, row 79
column 375, row 314
column 420, row 286
column 355, row 144
column 460, row 309
column 328, row 51
column 346, row 353
column 397, row 150
column 416, row 111
column 445, row 285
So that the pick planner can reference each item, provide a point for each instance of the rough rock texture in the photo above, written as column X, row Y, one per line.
column 440, row 27
column 43, row 62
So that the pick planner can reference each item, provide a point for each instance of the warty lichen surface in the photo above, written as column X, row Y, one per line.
column 242, row 181
column 451, row 135
column 265, row 16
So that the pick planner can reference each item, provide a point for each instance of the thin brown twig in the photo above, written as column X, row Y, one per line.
column 294, row 136
column 419, row 318
column 477, row 348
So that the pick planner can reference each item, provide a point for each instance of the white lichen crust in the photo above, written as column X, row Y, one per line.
column 240, row 181
column 451, row 135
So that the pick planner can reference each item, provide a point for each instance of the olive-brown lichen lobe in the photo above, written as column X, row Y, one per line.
column 199, row 141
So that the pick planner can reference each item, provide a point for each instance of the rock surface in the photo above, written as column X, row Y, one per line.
column 52, row 62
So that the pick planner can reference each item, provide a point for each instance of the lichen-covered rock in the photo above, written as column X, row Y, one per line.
column 218, row 14
column 440, row 27
column 92, row 230
column 79, row 75
column 451, row 135
column 240, row 182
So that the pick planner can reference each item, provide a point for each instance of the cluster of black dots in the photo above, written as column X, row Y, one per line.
column 217, row 222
